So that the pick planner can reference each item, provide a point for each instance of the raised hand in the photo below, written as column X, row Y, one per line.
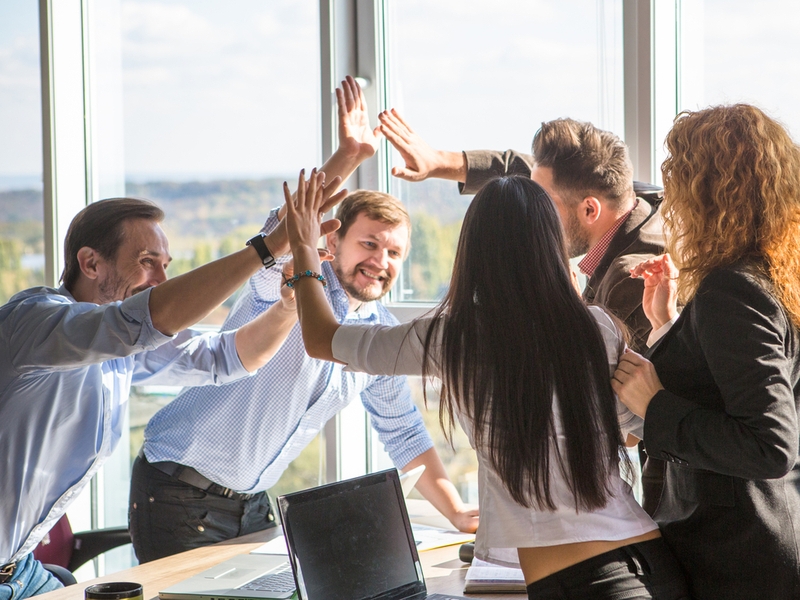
column 304, row 213
column 356, row 138
column 660, row 298
column 421, row 160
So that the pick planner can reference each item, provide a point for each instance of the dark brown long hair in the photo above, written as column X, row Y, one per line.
column 515, row 334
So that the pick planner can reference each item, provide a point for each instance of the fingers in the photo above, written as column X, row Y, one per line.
column 362, row 100
column 324, row 255
column 350, row 91
column 333, row 201
column 391, row 121
column 331, row 187
column 657, row 265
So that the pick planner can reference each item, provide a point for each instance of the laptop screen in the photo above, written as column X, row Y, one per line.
column 352, row 540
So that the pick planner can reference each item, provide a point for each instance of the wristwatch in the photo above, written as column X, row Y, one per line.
column 257, row 242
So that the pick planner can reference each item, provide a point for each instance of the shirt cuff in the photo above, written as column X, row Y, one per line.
column 137, row 309
column 657, row 334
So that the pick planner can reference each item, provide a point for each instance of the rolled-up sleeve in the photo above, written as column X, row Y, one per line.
column 55, row 332
column 483, row 165
column 192, row 359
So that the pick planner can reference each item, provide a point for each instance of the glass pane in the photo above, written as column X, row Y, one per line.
column 488, row 80
column 204, row 107
column 733, row 51
column 218, row 104
column 21, row 205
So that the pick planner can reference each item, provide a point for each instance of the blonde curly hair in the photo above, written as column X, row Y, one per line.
column 732, row 192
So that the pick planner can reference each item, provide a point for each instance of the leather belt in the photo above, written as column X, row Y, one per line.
column 7, row 572
column 190, row 476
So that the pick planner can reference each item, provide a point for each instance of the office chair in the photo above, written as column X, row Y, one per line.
column 63, row 551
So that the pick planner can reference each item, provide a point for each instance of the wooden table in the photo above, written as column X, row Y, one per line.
column 444, row 572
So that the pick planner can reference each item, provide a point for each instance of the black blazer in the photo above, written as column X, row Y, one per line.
column 727, row 423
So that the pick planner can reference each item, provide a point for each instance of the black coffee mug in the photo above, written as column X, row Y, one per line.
column 115, row 590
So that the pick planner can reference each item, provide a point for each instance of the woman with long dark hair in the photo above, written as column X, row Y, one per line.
column 525, row 368
column 720, row 397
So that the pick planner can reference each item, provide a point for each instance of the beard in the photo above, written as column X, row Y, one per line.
column 113, row 289
column 368, row 294
column 577, row 238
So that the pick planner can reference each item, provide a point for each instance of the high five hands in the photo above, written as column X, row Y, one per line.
column 304, row 224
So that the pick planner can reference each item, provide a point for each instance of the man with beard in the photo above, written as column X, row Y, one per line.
column 68, row 358
column 589, row 176
column 210, row 455
column 607, row 217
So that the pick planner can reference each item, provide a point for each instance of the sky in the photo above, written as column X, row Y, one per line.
column 231, row 89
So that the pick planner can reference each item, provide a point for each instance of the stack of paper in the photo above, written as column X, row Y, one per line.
column 486, row 577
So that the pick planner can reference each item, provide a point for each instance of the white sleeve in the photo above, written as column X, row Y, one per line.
column 615, row 346
column 383, row 349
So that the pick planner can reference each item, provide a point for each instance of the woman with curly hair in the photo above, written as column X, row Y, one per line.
column 526, row 369
column 719, row 393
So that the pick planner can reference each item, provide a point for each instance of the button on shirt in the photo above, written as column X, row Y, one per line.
column 66, row 368
column 244, row 436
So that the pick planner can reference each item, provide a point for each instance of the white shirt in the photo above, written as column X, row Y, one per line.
column 505, row 524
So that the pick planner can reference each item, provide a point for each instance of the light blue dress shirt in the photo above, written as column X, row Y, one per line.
column 66, row 369
column 243, row 436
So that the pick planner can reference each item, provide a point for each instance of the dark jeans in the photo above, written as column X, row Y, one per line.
column 167, row 516
column 647, row 570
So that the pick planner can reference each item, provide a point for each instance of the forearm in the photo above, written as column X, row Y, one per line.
column 259, row 340
column 436, row 487
column 183, row 301
column 317, row 321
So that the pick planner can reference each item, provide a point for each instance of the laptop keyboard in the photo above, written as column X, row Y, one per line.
column 279, row 581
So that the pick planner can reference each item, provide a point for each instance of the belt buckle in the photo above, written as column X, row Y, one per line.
column 7, row 571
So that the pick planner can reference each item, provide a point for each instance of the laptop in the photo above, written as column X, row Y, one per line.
column 243, row 577
column 352, row 540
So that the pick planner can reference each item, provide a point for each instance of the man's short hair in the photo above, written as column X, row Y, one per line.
column 375, row 205
column 100, row 226
column 585, row 160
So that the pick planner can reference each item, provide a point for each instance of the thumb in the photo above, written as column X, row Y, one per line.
column 405, row 174
column 330, row 226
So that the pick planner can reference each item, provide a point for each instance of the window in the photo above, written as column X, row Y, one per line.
column 479, row 75
column 731, row 51
column 21, row 205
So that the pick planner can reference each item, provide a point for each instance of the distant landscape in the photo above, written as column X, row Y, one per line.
column 208, row 219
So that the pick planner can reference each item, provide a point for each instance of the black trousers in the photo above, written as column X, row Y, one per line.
column 167, row 516
column 647, row 571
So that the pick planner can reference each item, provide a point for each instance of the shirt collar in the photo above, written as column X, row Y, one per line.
column 591, row 261
column 64, row 292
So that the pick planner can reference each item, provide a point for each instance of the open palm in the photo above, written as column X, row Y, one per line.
column 356, row 137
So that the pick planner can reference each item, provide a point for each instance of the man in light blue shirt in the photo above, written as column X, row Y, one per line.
column 69, row 356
